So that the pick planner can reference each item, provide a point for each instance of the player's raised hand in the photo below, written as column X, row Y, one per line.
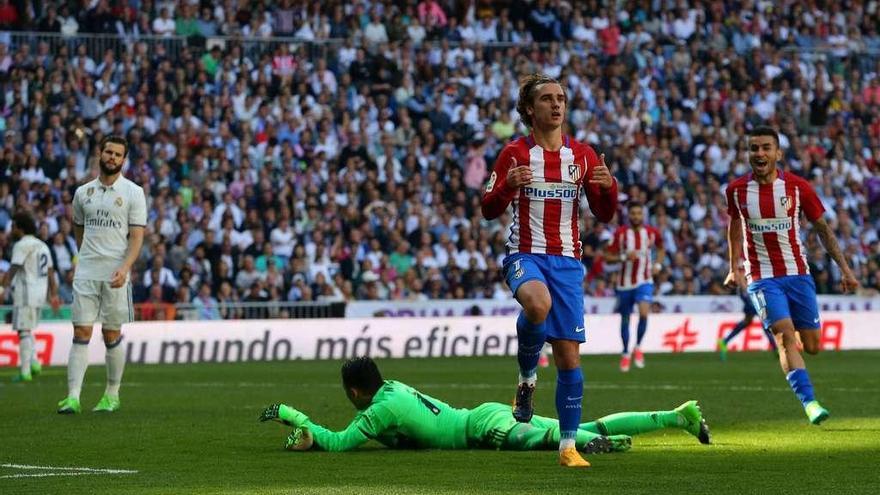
column 849, row 282
column 117, row 280
column 519, row 175
column 601, row 175
column 283, row 414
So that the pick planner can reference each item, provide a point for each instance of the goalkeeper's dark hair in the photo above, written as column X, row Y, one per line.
column 25, row 221
column 765, row 130
column 528, row 86
column 361, row 373
column 115, row 139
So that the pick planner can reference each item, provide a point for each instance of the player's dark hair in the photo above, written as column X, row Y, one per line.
column 634, row 204
column 25, row 221
column 115, row 139
column 361, row 373
column 765, row 130
column 528, row 86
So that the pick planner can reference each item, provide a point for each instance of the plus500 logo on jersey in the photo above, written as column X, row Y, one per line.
column 761, row 225
column 549, row 190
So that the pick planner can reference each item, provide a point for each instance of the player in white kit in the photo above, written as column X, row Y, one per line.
column 109, row 216
column 32, row 278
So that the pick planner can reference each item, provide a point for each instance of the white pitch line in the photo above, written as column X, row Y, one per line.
column 46, row 475
column 63, row 468
column 65, row 471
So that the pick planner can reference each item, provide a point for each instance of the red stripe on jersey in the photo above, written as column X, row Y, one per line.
column 648, row 239
column 771, row 240
column 552, row 207
column 637, row 238
column 621, row 243
column 793, row 239
column 754, row 265
column 525, row 229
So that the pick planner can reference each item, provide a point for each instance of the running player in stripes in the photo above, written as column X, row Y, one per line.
column 764, row 208
column 542, row 175
column 632, row 246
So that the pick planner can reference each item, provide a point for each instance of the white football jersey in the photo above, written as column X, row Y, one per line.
column 31, row 283
column 106, row 213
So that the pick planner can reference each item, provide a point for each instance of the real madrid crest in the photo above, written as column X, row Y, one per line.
column 119, row 202
column 90, row 191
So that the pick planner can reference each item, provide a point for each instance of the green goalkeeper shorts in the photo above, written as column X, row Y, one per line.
column 489, row 424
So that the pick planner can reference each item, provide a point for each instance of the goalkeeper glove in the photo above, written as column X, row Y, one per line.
column 284, row 414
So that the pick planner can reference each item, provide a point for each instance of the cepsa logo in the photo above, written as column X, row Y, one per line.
column 753, row 338
column 9, row 348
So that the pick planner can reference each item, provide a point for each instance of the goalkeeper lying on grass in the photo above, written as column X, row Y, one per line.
column 399, row 416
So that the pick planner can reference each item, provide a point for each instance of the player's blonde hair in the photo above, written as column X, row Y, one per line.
column 528, row 87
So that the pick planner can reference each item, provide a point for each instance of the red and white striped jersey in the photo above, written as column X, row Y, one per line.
column 770, row 215
column 642, row 241
column 545, row 212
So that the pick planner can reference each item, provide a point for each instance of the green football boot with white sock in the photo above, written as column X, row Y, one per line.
column 107, row 403
column 70, row 405
column 36, row 368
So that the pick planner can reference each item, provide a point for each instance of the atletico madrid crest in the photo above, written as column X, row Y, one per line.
column 786, row 202
column 574, row 172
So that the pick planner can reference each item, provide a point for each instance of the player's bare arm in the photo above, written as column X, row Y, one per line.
column 658, row 265
column 848, row 280
column 78, row 231
column 53, row 290
column 8, row 277
column 135, row 242
column 735, row 278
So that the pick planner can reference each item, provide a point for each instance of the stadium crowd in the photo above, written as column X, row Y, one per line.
column 348, row 163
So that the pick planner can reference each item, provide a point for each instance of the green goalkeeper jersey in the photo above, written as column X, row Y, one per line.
column 399, row 417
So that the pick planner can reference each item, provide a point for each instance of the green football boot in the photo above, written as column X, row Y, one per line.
column 816, row 412
column 696, row 424
column 69, row 405
column 36, row 368
column 722, row 349
column 21, row 378
column 107, row 404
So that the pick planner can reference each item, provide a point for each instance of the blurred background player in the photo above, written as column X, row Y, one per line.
column 749, row 314
column 32, row 277
column 764, row 208
column 542, row 175
column 109, row 214
column 399, row 416
column 633, row 246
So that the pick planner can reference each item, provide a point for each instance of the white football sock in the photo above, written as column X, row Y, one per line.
column 25, row 351
column 115, row 366
column 76, row 367
column 566, row 443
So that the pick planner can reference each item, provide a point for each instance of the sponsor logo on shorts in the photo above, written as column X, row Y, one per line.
column 519, row 273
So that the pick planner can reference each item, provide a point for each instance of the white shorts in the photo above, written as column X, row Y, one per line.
column 25, row 318
column 95, row 301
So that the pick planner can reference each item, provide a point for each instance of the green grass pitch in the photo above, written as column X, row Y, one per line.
column 194, row 429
